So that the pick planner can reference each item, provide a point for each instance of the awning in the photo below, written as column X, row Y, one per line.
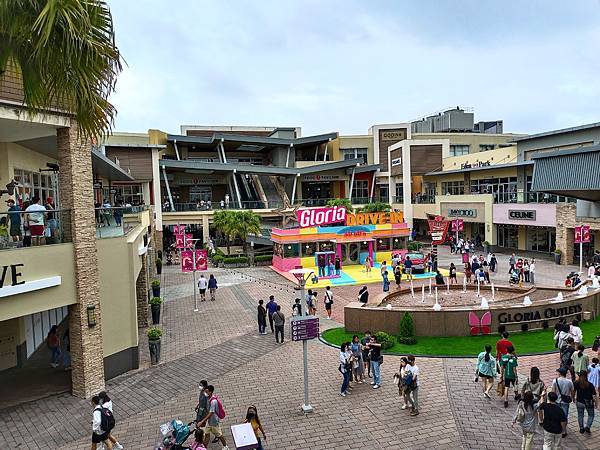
column 106, row 168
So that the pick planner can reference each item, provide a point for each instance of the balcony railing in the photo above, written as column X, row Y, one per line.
column 189, row 207
column 27, row 229
column 540, row 197
column 360, row 200
column 117, row 221
column 423, row 199
column 505, row 197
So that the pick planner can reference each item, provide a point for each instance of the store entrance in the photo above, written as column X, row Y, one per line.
column 315, row 194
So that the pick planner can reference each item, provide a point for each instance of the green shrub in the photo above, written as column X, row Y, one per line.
column 414, row 246
column 407, row 340
column 155, row 283
column 218, row 259
column 341, row 202
column 154, row 334
column 386, row 340
column 261, row 258
column 376, row 207
column 155, row 301
column 407, row 326
column 236, row 260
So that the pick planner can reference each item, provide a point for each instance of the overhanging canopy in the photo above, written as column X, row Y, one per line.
column 106, row 168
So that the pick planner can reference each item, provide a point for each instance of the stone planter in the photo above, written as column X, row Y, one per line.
column 557, row 257
column 234, row 266
column 263, row 263
column 155, row 291
column 154, row 347
column 155, row 309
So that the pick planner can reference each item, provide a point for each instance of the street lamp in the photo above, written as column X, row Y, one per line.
column 303, row 275
column 193, row 241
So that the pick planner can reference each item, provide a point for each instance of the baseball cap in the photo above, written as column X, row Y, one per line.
column 562, row 371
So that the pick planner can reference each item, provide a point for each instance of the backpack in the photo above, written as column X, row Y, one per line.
column 107, row 420
column 596, row 344
column 220, row 412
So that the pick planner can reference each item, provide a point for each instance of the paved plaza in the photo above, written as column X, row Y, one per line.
column 221, row 343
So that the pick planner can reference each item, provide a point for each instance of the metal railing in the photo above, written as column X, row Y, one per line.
column 423, row 199
column 540, row 197
column 117, row 221
column 212, row 206
column 310, row 202
column 505, row 197
column 28, row 229
column 360, row 200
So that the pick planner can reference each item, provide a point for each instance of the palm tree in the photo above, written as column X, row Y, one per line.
column 341, row 202
column 222, row 222
column 248, row 223
column 65, row 54
column 376, row 207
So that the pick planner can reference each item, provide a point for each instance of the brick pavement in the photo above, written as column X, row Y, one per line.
column 221, row 344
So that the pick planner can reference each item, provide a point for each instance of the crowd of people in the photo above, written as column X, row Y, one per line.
column 29, row 223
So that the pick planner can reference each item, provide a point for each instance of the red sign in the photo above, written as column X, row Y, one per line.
column 355, row 234
column 178, row 229
column 316, row 217
column 187, row 262
column 180, row 241
column 438, row 227
column 458, row 225
column 582, row 234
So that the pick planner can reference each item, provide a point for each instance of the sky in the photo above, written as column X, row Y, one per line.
column 346, row 65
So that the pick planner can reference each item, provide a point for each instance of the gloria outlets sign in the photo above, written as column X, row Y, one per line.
column 316, row 217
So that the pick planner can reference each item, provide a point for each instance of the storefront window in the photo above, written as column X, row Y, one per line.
column 309, row 248
column 541, row 239
column 353, row 153
column 398, row 243
column 508, row 236
column 383, row 244
column 291, row 250
column 325, row 246
column 43, row 185
column 360, row 191
column 459, row 150
column 453, row 188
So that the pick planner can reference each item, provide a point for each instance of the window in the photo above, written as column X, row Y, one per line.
column 453, row 188
column 486, row 147
column 43, row 185
column 383, row 245
column 352, row 153
column 459, row 150
column 360, row 191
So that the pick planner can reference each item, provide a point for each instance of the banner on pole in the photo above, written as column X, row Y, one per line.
column 187, row 263
column 180, row 241
column 178, row 229
column 458, row 225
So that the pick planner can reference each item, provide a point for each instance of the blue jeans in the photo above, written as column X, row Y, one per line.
column 321, row 271
column 337, row 271
column 565, row 408
column 581, row 408
column 259, row 447
column 376, row 369
column 55, row 355
column 346, row 381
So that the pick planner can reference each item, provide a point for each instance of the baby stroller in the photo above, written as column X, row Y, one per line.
column 572, row 280
column 174, row 434
column 514, row 277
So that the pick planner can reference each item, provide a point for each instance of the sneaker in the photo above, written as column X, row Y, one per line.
column 587, row 430
column 486, row 395
column 118, row 446
column 582, row 430
column 404, row 406
column 54, row 365
column 215, row 440
column 225, row 448
column 506, row 404
column 360, row 381
column 414, row 413
column 348, row 392
column 375, row 386
column 372, row 382
column 343, row 394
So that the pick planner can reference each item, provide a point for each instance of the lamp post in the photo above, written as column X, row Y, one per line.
column 193, row 241
column 302, row 275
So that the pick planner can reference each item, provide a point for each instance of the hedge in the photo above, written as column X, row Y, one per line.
column 261, row 258
column 218, row 259
column 386, row 340
column 236, row 260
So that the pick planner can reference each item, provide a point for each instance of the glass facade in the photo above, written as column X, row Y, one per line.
column 459, row 150
column 352, row 153
column 43, row 185
column 508, row 236
column 504, row 189
column 360, row 191
column 541, row 239
column 453, row 188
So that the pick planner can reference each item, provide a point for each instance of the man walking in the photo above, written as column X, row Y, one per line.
column 212, row 420
column 512, row 261
column 279, row 320
column 408, row 267
column 271, row 309
column 564, row 392
column 202, row 285
column 14, row 216
column 413, row 396
column 553, row 420
column 328, row 301
column 262, row 318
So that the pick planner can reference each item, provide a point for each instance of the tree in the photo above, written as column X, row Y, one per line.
column 236, row 224
column 65, row 53
column 222, row 222
column 376, row 207
column 341, row 202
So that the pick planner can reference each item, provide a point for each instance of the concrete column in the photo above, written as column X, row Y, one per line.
column 141, row 293
column 76, row 194
column 205, row 228
column 156, row 190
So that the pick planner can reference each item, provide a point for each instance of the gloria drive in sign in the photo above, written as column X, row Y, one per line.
column 316, row 217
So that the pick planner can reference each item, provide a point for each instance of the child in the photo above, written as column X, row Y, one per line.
column 252, row 419
column 107, row 403
column 198, row 440
column 594, row 373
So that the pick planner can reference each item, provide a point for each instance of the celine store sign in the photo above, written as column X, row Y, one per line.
column 521, row 214
column 12, row 281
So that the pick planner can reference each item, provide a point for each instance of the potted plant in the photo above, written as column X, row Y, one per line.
column 557, row 255
column 154, row 334
column 155, row 288
column 486, row 247
column 155, row 303
column 158, row 266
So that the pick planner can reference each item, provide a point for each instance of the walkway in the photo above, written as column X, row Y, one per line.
column 220, row 343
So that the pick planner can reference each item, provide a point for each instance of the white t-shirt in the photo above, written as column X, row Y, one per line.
column 415, row 373
column 108, row 405
column 202, row 283
column 35, row 217
column 576, row 333
column 328, row 296
column 532, row 268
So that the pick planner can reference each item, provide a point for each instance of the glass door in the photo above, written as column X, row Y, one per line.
column 354, row 252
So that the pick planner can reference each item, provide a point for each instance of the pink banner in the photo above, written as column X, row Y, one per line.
column 180, row 241
column 178, row 229
column 187, row 263
column 315, row 217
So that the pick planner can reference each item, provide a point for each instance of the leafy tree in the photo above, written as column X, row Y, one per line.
column 222, row 222
column 341, row 202
column 376, row 207
column 236, row 224
column 65, row 53
column 407, row 330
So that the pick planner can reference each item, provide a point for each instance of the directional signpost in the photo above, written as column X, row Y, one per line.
column 304, row 328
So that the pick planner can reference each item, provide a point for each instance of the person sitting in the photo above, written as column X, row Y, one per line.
column 439, row 279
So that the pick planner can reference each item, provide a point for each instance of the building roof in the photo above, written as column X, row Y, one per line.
column 473, row 169
column 108, row 169
column 555, row 132
column 263, row 141
column 573, row 151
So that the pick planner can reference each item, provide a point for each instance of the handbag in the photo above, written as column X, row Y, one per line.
column 520, row 417
column 563, row 398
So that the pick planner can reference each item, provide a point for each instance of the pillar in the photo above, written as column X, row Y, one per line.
column 338, row 252
column 371, row 251
column 141, row 293
column 76, row 194
column 205, row 228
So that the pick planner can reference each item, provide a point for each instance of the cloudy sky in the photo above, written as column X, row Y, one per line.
column 346, row 65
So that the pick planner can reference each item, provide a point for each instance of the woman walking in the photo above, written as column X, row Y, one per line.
column 252, row 419
column 403, row 387
column 358, row 368
column 526, row 267
column 486, row 370
column 328, row 300
column 262, row 318
column 398, row 274
column 468, row 272
column 510, row 376
column 526, row 416
column 212, row 286
column 345, row 367
column 581, row 361
column 534, row 385
column 386, row 281
column 368, row 265
column 53, row 343
column 452, row 275
column 585, row 396
column 493, row 262
column 107, row 403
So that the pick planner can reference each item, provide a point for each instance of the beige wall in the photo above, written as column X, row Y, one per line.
column 473, row 140
column 40, row 262
column 502, row 155
column 357, row 141
column 472, row 201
